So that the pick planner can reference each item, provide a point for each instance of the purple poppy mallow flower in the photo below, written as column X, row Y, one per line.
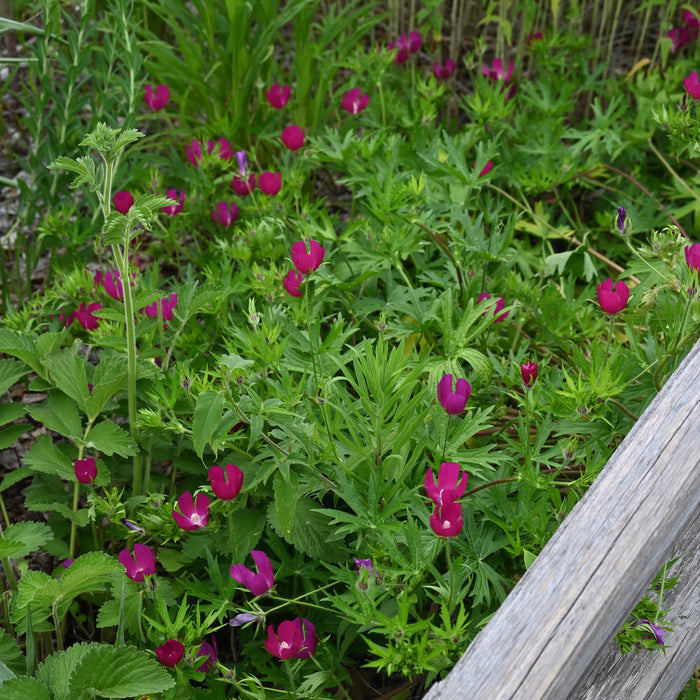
column 85, row 470
column 158, row 100
column 613, row 296
column 111, row 283
column 278, row 95
column 443, row 72
column 497, row 72
column 174, row 209
column 528, row 373
column 170, row 654
column 622, row 222
column 292, row 283
column 692, row 85
column 66, row 563
column 260, row 583
column 139, row 565
column 447, row 519
column 225, row 213
column 123, row 201
column 499, row 306
column 293, row 639
column 132, row 526
column 486, row 169
column 363, row 564
column 307, row 259
column 270, row 183
column 166, row 307
column 220, row 147
column 449, row 487
column 192, row 516
column 655, row 630
column 293, row 137
column 210, row 651
column 354, row 102
column 84, row 315
column 241, row 186
column 226, row 482
column 242, row 619
column 692, row 256
column 453, row 401
column 242, row 162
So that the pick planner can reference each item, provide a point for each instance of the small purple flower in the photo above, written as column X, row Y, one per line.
column 270, row 183
column 278, row 95
column 225, row 213
column 692, row 256
column 176, row 196
column 292, row 283
column 444, row 72
column 170, row 653
column 85, row 470
column 307, row 259
column 363, row 564
column 657, row 631
column 528, row 372
column 354, row 102
column 622, row 224
column 449, row 486
column 260, row 583
column 499, row 305
column 141, row 564
column 242, row 162
column 158, row 100
column 447, row 519
column 453, row 401
column 123, row 201
column 242, row 619
column 208, row 650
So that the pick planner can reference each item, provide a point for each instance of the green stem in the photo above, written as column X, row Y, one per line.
column 74, row 525
column 290, row 675
column 624, row 409
column 661, row 593
column 231, row 533
column 491, row 483
column 451, row 570
column 6, row 563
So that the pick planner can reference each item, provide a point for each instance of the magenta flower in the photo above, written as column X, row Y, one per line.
column 225, row 213
column 528, row 372
column 170, row 653
column 449, row 487
column 220, row 146
column 354, row 102
column 191, row 516
column 270, row 183
column 292, row 283
column 141, row 564
column 405, row 45
column 486, row 169
column 613, row 297
column 159, row 100
column 84, row 315
column 499, row 305
column 278, row 95
column 226, row 483
column 260, row 583
column 85, row 470
column 692, row 256
column 174, row 209
column 496, row 71
column 208, row 650
column 444, row 72
column 166, row 307
column 447, row 520
column 123, row 201
column 293, row 137
column 453, row 401
column 307, row 260
column 110, row 283
column 243, row 187
column 537, row 36
column 692, row 85
column 294, row 639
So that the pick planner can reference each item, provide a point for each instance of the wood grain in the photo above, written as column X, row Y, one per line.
column 567, row 607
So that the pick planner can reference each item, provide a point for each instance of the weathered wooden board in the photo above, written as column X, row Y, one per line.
column 569, row 604
column 655, row 676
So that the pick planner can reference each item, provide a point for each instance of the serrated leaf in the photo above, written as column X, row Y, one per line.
column 14, row 476
column 207, row 416
column 11, row 654
column 249, row 524
column 21, row 538
column 11, row 371
column 110, row 672
column 312, row 531
column 256, row 425
column 20, row 346
column 109, row 379
column 60, row 414
column 108, row 438
column 44, row 456
column 56, row 670
column 67, row 371
column 23, row 688
column 12, row 411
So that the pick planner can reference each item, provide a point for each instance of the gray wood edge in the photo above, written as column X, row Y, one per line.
column 572, row 600
column 646, row 676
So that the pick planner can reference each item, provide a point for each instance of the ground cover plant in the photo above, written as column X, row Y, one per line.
column 342, row 310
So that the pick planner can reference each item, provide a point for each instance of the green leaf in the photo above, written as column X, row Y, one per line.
column 67, row 371
column 21, row 347
column 60, row 414
column 249, row 524
column 481, row 364
column 285, row 500
column 23, row 688
column 528, row 558
column 312, row 531
column 44, row 456
column 109, row 379
column 11, row 654
column 11, row 371
column 207, row 416
column 110, row 672
column 9, row 436
column 21, row 538
column 56, row 670
column 12, row 411
column 14, row 476
column 108, row 438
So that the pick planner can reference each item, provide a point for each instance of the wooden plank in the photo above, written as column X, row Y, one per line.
column 572, row 600
column 655, row 676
